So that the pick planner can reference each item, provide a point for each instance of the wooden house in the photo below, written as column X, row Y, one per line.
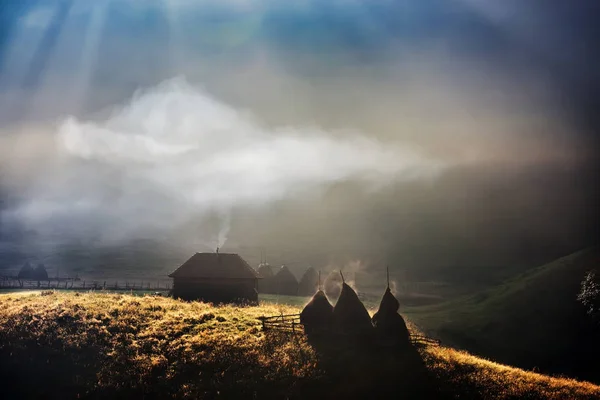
column 215, row 277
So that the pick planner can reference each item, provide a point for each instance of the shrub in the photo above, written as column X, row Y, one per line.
column 589, row 295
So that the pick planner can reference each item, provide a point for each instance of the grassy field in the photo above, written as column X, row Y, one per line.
column 91, row 345
column 533, row 320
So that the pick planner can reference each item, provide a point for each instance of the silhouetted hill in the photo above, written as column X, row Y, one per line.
column 531, row 321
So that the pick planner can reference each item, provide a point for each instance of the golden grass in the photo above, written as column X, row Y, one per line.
column 496, row 381
column 109, row 345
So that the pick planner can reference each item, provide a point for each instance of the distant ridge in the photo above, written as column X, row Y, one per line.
column 532, row 321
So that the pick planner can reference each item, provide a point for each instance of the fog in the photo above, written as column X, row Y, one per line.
column 173, row 153
column 428, row 152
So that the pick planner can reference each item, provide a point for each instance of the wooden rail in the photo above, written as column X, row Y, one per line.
column 291, row 323
column 86, row 285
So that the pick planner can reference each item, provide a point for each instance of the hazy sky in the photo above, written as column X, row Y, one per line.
column 465, row 119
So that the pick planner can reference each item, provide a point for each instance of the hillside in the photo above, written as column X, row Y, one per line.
column 95, row 345
column 532, row 321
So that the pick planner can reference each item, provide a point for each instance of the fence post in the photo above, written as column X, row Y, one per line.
column 84, row 284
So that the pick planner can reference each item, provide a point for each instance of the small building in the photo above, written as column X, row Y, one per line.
column 215, row 277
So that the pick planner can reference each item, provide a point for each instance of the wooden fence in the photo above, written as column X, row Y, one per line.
column 291, row 323
column 87, row 285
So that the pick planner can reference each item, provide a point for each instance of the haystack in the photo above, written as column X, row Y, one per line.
column 389, row 325
column 40, row 273
column 349, row 313
column 26, row 272
column 266, row 281
column 317, row 314
column 265, row 270
column 308, row 283
column 285, row 282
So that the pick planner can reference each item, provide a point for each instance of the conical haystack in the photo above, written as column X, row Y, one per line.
column 308, row 283
column 390, row 325
column 264, row 270
column 40, row 273
column 349, row 313
column 388, row 305
column 266, row 281
column 285, row 282
column 317, row 314
column 26, row 271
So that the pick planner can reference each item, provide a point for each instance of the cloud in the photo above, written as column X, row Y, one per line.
column 174, row 152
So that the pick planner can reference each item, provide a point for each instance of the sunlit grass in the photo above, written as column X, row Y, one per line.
column 110, row 345
column 496, row 381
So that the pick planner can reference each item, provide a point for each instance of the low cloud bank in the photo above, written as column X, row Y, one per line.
column 173, row 153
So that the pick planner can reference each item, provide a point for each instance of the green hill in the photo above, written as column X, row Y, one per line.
column 533, row 321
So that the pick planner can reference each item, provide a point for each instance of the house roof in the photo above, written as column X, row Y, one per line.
column 215, row 265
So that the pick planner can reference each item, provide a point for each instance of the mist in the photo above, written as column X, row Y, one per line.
column 426, row 149
column 174, row 153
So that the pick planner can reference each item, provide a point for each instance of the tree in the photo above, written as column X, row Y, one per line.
column 590, row 295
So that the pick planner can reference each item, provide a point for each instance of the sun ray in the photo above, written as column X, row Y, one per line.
column 34, row 72
column 89, row 54
column 176, row 35
column 46, row 46
column 23, row 30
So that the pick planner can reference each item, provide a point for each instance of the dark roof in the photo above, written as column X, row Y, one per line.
column 215, row 265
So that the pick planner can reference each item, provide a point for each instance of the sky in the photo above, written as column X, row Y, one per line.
column 375, row 129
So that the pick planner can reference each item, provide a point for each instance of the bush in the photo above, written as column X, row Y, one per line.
column 590, row 295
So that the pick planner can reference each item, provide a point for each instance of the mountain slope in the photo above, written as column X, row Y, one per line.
column 532, row 321
column 94, row 345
